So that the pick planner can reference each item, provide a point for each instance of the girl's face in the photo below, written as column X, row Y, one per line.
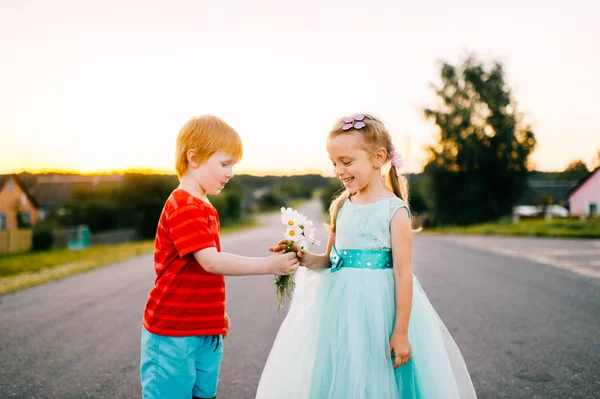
column 353, row 165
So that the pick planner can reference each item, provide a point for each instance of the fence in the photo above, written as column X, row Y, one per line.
column 113, row 237
column 15, row 241
column 61, row 237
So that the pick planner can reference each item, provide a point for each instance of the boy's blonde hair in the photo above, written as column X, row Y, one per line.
column 205, row 135
column 374, row 135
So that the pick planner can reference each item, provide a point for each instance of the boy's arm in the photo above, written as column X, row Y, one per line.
column 191, row 234
column 233, row 265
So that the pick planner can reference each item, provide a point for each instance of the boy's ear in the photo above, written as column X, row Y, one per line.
column 191, row 158
column 380, row 157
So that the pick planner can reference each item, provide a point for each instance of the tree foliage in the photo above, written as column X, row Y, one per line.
column 575, row 170
column 477, row 171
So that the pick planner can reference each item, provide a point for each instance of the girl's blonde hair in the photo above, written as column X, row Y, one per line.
column 205, row 135
column 375, row 136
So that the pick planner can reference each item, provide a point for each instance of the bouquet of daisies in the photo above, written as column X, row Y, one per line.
column 300, row 231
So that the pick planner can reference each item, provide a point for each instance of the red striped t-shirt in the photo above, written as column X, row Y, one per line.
column 186, row 300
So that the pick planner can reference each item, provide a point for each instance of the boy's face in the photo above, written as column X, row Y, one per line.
column 213, row 174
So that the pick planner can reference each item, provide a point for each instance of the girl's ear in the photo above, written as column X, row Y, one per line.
column 380, row 157
column 191, row 158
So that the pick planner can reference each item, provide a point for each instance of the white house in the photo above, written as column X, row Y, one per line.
column 584, row 198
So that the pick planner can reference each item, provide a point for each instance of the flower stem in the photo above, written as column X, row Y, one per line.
column 284, row 285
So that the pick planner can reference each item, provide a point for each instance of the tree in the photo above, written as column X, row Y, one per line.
column 331, row 192
column 575, row 170
column 271, row 200
column 141, row 199
column 597, row 160
column 478, row 169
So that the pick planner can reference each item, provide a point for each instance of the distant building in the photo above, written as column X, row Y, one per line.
column 540, row 210
column 53, row 192
column 547, row 191
column 18, row 208
column 584, row 198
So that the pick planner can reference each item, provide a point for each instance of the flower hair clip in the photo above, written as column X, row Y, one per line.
column 355, row 122
column 396, row 160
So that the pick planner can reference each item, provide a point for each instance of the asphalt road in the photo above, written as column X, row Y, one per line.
column 525, row 313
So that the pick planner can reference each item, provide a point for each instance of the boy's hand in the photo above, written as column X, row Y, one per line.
column 281, row 245
column 279, row 248
column 304, row 258
column 283, row 264
column 227, row 325
column 400, row 345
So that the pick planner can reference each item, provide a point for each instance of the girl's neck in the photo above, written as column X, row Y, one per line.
column 375, row 190
column 190, row 185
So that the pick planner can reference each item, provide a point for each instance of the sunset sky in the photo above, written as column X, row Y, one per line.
column 106, row 85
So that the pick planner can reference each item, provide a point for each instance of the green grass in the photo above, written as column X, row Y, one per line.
column 245, row 224
column 28, row 269
column 557, row 228
column 298, row 202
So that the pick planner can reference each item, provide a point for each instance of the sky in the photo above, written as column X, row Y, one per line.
column 106, row 85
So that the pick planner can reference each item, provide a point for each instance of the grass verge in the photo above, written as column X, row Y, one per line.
column 555, row 228
column 28, row 269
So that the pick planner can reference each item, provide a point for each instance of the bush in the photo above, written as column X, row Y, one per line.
column 271, row 200
column 234, row 206
column 416, row 198
column 295, row 190
column 42, row 240
column 333, row 189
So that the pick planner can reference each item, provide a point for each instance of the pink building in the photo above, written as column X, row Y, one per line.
column 584, row 198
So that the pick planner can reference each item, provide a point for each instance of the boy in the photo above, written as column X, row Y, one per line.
column 185, row 319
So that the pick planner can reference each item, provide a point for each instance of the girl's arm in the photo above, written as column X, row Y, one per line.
column 308, row 259
column 401, row 232
column 317, row 261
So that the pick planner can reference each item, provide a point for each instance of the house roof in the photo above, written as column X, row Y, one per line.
column 56, row 190
column 5, row 178
column 582, row 182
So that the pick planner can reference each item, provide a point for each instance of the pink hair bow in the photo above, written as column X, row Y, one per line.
column 396, row 160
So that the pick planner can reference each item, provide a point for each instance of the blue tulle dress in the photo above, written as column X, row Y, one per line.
column 334, row 342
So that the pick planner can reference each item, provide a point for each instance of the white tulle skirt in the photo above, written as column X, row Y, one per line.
column 334, row 343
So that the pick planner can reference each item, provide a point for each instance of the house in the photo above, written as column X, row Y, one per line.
column 546, row 191
column 18, row 208
column 584, row 198
column 54, row 191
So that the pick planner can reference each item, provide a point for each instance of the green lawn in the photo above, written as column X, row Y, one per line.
column 32, row 268
column 567, row 228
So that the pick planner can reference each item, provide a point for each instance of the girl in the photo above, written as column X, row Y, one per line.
column 360, row 325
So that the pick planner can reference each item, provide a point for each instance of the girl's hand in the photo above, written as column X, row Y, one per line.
column 401, row 347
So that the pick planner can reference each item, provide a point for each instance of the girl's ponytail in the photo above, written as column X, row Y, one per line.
column 335, row 207
column 398, row 184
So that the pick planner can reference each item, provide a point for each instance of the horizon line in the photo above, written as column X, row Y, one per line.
column 154, row 171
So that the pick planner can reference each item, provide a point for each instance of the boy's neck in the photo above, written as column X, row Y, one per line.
column 190, row 185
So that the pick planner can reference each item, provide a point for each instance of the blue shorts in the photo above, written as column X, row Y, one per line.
column 180, row 367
